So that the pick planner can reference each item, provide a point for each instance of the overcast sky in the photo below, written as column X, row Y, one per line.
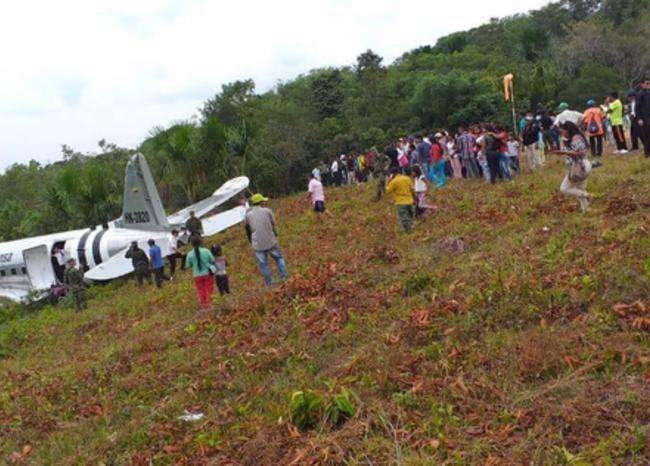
column 74, row 72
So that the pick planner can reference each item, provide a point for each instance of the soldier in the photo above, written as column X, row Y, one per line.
column 194, row 226
column 74, row 278
column 140, row 262
column 381, row 164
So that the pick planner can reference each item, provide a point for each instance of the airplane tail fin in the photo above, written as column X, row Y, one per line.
column 142, row 208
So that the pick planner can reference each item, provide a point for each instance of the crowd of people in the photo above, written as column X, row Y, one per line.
column 407, row 167
column 405, row 170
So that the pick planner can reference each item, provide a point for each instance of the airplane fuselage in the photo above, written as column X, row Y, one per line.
column 89, row 247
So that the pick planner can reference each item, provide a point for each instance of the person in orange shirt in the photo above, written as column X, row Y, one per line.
column 594, row 127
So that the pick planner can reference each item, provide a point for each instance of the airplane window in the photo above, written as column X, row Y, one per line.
column 24, row 270
column 14, row 272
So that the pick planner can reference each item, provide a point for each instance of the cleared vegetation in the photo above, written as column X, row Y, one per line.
column 507, row 328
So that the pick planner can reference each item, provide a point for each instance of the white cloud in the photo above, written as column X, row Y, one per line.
column 76, row 71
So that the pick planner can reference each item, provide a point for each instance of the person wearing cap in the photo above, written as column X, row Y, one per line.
column 615, row 112
column 566, row 114
column 260, row 229
column 74, row 278
column 401, row 188
column 593, row 124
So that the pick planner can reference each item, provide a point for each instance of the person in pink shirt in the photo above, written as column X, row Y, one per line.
column 316, row 194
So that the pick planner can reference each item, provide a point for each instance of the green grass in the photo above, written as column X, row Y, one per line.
column 509, row 352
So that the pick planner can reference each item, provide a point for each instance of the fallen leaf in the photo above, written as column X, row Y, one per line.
column 170, row 449
column 476, row 430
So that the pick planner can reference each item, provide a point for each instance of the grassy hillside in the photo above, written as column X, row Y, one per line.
column 527, row 342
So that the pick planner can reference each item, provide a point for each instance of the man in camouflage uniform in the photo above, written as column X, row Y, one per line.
column 380, row 166
column 194, row 226
column 140, row 262
column 74, row 278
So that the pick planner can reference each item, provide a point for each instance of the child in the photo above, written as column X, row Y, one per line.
column 513, row 152
column 221, row 276
column 420, row 186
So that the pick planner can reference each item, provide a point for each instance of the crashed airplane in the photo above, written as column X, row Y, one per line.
column 29, row 267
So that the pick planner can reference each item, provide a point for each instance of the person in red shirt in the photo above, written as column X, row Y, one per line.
column 504, row 163
column 437, row 161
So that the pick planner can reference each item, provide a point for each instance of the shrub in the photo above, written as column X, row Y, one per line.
column 341, row 407
column 306, row 409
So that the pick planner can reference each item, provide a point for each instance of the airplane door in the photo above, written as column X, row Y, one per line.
column 39, row 267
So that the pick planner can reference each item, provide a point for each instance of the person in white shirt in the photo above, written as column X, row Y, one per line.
column 566, row 114
column 175, row 253
column 420, row 187
column 336, row 174
column 513, row 152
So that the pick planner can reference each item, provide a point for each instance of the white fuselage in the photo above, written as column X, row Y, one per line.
column 89, row 248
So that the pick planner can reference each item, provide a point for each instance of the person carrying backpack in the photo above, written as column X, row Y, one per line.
column 594, row 127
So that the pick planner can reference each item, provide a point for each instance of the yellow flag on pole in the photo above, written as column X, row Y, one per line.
column 507, row 86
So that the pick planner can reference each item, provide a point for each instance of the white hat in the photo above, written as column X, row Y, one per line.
column 438, row 135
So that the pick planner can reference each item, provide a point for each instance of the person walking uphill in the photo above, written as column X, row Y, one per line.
column 74, row 278
column 194, row 226
column 260, row 229
column 202, row 263
column 401, row 188
column 381, row 164
column 140, row 263
column 157, row 263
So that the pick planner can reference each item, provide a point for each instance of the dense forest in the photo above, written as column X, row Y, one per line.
column 570, row 51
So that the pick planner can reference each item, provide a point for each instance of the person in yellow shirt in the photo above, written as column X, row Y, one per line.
column 615, row 112
column 401, row 188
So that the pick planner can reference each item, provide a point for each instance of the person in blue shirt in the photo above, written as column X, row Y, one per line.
column 157, row 263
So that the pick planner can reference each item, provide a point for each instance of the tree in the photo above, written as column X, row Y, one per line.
column 230, row 104
column 368, row 63
column 326, row 94
column 623, row 49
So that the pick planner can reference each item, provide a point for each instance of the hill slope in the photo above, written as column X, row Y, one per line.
column 513, row 347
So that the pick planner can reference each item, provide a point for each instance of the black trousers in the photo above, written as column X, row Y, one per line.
column 596, row 143
column 644, row 133
column 142, row 274
column 619, row 136
column 159, row 276
column 493, row 165
column 222, row 284
column 173, row 259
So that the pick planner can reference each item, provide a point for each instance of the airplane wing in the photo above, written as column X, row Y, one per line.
column 223, row 220
column 118, row 265
column 228, row 190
